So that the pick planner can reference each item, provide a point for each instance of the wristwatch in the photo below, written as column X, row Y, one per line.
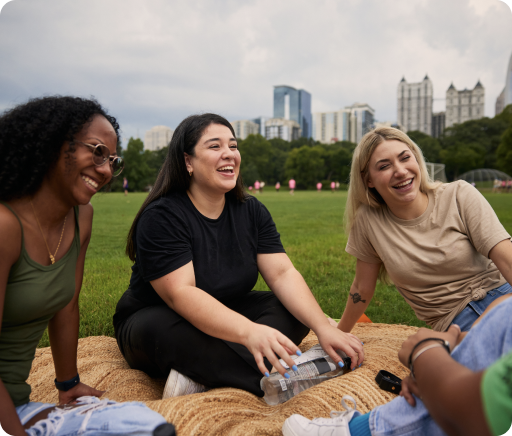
column 389, row 382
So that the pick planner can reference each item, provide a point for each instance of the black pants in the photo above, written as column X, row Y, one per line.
column 156, row 339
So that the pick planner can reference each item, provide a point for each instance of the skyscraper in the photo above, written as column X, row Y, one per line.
column 415, row 105
column 294, row 104
column 508, row 84
column 157, row 137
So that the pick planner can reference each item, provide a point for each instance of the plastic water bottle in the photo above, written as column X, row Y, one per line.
column 313, row 367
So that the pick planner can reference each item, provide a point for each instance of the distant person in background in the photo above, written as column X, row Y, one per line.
column 333, row 187
column 291, row 185
column 57, row 152
column 125, row 186
column 428, row 236
column 257, row 187
column 278, row 186
column 262, row 185
column 337, row 185
column 496, row 186
column 319, row 186
column 250, row 188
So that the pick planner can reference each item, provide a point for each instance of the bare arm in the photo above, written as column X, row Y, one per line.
column 501, row 255
column 289, row 286
column 178, row 289
column 449, row 390
column 361, row 293
column 63, row 327
column 10, row 234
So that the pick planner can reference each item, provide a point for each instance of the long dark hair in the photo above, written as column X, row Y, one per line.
column 173, row 176
column 31, row 139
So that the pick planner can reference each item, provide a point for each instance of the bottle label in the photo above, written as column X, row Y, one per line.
column 283, row 385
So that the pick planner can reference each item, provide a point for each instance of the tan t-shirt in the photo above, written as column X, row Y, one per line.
column 438, row 261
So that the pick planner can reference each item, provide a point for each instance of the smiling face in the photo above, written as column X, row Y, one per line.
column 216, row 162
column 394, row 172
column 76, row 170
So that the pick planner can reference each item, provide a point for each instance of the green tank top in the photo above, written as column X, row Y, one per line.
column 34, row 294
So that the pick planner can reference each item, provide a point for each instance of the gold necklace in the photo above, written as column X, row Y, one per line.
column 52, row 257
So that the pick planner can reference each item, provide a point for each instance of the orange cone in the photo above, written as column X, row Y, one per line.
column 364, row 318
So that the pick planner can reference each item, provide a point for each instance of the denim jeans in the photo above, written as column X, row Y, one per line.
column 474, row 309
column 483, row 345
column 92, row 417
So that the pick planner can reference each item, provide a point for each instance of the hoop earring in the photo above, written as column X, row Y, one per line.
column 190, row 173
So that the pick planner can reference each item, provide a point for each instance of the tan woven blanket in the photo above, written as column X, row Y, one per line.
column 229, row 411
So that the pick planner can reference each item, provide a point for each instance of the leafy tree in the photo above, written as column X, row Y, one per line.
column 337, row 162
column 504, row 152
column 305, row 165
column 429, row 146
column 255, row 151
column 461, row 157
column 137, row 170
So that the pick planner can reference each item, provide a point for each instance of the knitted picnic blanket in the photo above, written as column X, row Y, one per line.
column 229, row 411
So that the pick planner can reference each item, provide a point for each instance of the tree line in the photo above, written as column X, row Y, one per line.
column 482, row 143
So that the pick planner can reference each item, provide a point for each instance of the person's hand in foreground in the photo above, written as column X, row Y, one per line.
column 409, row 385
column 80, row 390
column 332, row 339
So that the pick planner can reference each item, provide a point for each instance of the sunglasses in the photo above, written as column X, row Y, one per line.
column 101, row 155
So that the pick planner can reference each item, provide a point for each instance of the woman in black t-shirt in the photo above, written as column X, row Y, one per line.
column 198, row 243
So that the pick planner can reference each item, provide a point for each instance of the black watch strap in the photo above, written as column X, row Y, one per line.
column 68, row 384
column 389, row 382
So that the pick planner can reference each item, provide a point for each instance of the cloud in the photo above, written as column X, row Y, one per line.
column 155, row 62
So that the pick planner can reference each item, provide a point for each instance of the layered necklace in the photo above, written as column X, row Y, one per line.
column 52, row 256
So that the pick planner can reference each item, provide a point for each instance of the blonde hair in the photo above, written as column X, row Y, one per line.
column 359, row 193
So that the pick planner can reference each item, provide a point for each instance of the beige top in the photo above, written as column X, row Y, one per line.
column 438, row 261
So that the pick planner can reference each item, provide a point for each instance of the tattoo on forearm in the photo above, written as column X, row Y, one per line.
column 356, row 298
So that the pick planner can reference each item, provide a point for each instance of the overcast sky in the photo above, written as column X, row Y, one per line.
column 153, row 62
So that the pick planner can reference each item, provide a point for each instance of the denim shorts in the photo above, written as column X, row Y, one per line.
column 474, row 309
column 92, row 417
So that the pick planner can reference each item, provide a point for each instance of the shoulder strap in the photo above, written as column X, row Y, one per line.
column 18, row 218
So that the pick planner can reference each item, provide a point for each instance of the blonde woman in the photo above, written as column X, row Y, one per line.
column 441, row 244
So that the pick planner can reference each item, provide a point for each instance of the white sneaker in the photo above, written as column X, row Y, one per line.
column 336, row 425
column 178, row 384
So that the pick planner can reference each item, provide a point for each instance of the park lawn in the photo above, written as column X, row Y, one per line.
column 311, row 228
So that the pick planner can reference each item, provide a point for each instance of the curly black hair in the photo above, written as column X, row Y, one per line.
column 32, row 135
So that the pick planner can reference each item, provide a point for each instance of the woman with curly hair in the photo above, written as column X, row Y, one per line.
column 57, row 152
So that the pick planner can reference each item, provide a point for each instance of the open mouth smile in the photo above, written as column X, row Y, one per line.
column 228, row 169
column 403, row 185
column 90, row 182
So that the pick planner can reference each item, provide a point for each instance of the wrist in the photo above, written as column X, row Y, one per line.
column 67, row 385
column 424, row 346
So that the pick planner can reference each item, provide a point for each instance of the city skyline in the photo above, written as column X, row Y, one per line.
column 148, row 68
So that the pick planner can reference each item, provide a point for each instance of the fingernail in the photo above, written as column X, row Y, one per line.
column 341, row 364
column 360, row 365
column 298, row 353
column 266, row 374
column 286, row 375
column 294, row 367
column 354, row 368
column 362, row 343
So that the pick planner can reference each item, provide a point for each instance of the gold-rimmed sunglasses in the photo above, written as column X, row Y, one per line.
column 101, row 155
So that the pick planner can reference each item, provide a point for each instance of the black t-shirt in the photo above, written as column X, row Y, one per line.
column 171, row 232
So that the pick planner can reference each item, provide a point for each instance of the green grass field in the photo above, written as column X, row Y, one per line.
column 311, row 228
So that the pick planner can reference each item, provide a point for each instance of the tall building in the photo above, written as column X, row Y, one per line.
column 508, row 84
column 260, row 121
column 244, row 128
column 282, row 128
column 157, row 137
column 438, row 124
column 348, row 124
column 500, row 103
column 464, row 105
column 414, row 108
column 294, row 104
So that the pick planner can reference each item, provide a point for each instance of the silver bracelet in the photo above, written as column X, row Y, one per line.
column 419, row 353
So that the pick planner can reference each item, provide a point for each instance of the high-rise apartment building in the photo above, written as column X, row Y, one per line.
column 505, row 98
column 294, row 104
column 348, row 124
column 157, row 137
column 464, row 105
column 438, row 124
column 288, row 130
column 244, row 128
column 414, row 107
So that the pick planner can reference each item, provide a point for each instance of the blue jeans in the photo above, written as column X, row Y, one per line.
column 474, row 309
column 483, row 345
column 92, row 417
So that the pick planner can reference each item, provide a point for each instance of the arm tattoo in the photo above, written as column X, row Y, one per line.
column 356, row 298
